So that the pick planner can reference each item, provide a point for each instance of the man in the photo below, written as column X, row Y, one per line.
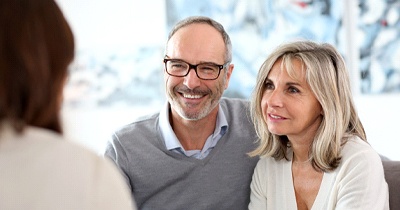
column 193, row 154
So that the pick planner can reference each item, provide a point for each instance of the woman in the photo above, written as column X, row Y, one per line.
column 38, row 168
column 313, row 148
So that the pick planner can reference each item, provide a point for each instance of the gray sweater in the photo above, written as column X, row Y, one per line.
column 162, row 179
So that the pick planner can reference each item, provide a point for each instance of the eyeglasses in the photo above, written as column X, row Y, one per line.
column 204, row 71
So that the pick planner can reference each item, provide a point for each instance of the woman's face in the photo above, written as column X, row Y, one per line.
column 288, row 105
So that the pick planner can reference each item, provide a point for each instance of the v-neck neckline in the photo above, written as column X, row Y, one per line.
column 323, row 191
column 203, row 161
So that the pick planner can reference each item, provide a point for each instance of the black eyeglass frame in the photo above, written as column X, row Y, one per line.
column 191, row 66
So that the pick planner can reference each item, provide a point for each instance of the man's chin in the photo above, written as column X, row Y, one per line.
column 190, row 115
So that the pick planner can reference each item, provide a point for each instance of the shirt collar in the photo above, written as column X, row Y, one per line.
column 170, row 139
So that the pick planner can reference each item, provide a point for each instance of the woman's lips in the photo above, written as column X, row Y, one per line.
column 274, row 117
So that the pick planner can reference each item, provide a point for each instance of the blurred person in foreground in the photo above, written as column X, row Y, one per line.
column 39, row 169
column 193, row 153
column 313, row 148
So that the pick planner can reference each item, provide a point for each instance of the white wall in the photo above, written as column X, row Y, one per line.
column 145, row 23
column 102, row 25
column 380, row 115
column 117, row 23
column 94, row 127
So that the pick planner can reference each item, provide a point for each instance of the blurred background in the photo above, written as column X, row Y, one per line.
column 117, row 74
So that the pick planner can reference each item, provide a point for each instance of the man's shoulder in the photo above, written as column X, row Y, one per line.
column 142, row 123
column 237, row 111
column 235, row 102
column 235, row 105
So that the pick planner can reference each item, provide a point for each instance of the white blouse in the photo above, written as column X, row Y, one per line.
column 358, row 182
column 41, row 170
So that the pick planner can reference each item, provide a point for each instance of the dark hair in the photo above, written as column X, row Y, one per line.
column 36, row 48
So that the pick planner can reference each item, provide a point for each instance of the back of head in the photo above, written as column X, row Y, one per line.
column 36, row 47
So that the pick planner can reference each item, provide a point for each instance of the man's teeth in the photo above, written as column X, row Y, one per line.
column 191, row 96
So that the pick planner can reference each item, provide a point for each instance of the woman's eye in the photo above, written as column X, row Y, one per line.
column 269, row 86
column 293, row 90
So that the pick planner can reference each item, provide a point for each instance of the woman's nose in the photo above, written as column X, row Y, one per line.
column 274, row 98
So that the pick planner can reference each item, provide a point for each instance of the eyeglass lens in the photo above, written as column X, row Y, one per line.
column 203, row 70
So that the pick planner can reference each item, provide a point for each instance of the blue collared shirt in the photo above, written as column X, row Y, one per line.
column 172, row 143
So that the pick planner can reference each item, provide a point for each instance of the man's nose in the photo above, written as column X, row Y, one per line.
column 191, row 80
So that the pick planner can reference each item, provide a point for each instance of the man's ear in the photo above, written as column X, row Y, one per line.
column 229, row 71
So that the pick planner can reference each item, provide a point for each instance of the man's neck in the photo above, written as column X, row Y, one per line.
column 193, row 134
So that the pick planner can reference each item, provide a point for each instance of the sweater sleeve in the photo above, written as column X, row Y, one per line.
column 116, row 153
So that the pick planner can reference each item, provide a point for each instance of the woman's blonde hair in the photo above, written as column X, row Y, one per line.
column 328, row 78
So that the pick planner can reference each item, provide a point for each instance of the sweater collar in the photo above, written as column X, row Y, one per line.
column 169, row 137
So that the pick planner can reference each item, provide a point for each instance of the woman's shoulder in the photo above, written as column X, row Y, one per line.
column 71, row 171
column 42, row 145
column 357, row 150
column 355, row 145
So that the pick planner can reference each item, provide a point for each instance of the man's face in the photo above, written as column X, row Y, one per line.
column 191, row 97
